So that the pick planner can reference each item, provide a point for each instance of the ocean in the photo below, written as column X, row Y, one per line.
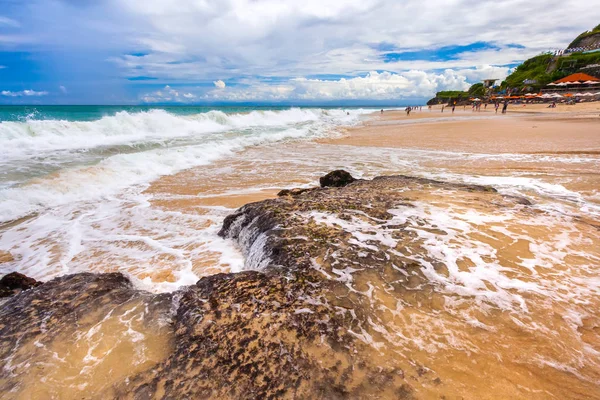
column 57, row 162
column 455, row 291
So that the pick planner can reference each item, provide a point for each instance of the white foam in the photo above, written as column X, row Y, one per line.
column 115, row 173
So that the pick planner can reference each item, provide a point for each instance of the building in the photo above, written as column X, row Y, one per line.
column 489, row 83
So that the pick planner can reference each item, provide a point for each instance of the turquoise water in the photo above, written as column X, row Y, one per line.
column 91, row 113
column 52, row 155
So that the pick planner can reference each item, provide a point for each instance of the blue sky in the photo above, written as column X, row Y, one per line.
column 203, row 51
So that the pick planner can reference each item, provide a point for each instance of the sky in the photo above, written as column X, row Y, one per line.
column 272, row 51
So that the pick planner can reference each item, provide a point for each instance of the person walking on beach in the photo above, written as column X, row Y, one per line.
column 408, row 111
column 505, row 106
column 453, row 107
column 496, row 105
column 443, row 108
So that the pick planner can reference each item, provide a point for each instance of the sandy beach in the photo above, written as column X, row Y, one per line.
column 507, row 304
column 549, row 156
column 534, row 130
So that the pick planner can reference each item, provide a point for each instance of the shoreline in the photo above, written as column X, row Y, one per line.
column 461, row 243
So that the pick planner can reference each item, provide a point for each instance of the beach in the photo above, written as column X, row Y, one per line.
column 500, row 294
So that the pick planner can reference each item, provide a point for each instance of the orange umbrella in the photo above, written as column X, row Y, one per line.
column 568, row 95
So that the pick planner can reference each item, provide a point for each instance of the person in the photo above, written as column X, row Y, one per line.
column 443, row 108
column 453, row 107
column 382, row 110
column 505, row 106
column 408, row 111
column 496, row 105
column 485, row 106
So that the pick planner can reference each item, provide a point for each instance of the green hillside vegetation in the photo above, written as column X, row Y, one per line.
column 533, row 69
column 449, row 96
column 541, row 69
column 584, row 35
column 546, row 68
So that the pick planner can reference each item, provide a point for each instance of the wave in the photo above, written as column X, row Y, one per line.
column 83, row 172
column 20, row 140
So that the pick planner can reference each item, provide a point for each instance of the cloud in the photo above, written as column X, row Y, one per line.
column 285, row 47
column 23, row 93
column 372, row 86
column 9, row 22
column 167, row 94
column 63, row 89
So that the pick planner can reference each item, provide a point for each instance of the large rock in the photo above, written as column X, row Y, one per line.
column 15, row 282
column 304, row 322
column 338, row 178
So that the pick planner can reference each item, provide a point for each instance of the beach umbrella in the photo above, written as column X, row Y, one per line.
column 588, row 94
column 578, row 94
column 557, row 96
column 568, row 95
column 476, row 99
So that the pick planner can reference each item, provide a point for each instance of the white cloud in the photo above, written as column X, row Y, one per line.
column 63, row 89
column 373, row 86
column 23, row 93
column 9, row 22
column 266, row 41
column 167, row 94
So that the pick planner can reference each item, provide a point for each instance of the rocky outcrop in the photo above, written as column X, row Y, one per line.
column 338, row 178
column 305, row 321
column 15, row 282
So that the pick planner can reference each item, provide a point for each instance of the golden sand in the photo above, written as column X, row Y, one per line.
column 498, row 354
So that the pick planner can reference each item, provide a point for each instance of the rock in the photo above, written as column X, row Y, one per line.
column 292, row 192
column 15, row 282
column 55, row 313
column 338, row 178
column 308, row 319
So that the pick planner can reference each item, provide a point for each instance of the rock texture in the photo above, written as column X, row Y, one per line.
column 338, row 178
column 298, row 324
column 15, row 282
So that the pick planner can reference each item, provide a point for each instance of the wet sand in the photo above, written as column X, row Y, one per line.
column 570, row 130
column 543, row 343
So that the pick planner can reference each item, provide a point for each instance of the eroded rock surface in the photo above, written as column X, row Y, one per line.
column 330, row 272
column 15, row 282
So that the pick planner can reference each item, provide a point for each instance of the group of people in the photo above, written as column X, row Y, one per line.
column 476, row 106
column 411, row 108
